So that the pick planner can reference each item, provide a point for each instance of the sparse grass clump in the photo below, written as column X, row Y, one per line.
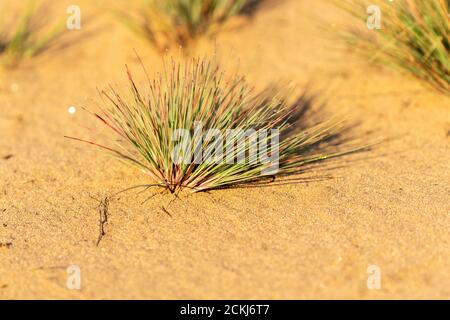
column 171, row 23
column 414, row 37
column 194, row 130
column 24, row 33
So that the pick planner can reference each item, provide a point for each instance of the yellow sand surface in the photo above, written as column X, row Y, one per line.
column 315, row 238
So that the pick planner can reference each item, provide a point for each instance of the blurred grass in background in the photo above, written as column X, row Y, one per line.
column 179, row 22
column 24, row 32
column 414, row 37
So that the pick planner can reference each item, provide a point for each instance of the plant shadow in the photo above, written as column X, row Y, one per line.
column 308, row 111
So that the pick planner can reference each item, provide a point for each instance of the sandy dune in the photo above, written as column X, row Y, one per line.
column 388, row 207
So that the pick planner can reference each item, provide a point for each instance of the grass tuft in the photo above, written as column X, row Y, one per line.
column 414, row 38
column 26, row 35
column 198, row 92
column 179, row 22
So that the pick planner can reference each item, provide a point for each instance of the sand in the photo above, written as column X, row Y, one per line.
column 388, row 207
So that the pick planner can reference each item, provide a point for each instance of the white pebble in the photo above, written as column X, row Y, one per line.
column 72, row 110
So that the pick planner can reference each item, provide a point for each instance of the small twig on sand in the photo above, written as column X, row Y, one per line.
column 165, row 211
column 168, row 205
column 6, row 245
column 103, row 219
